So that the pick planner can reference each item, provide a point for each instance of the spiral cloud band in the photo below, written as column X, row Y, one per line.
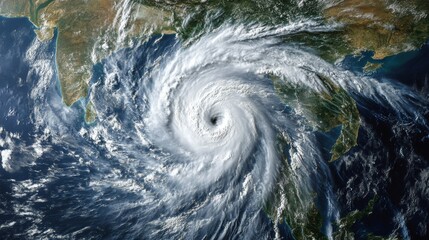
column 224, row 136
column 209, row 123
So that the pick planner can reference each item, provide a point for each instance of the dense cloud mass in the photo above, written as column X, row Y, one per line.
column 198, row 140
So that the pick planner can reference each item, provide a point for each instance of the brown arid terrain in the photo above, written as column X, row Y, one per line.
column 88, row 31
column 384, row 27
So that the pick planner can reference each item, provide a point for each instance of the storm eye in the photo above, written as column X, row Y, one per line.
column 214, row 120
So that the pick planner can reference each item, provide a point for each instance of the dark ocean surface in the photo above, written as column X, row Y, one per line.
column 387, row 165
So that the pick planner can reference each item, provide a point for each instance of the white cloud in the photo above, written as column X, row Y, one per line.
column 5, row 157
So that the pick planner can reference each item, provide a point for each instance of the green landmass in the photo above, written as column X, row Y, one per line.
column 91, row 30
column 345, row 224
column 303, row 217
column 386, row 27
column 293, row 204
column 88, row 31
column 194, row 17
column 326, row 110
column 90, row 113
column 371, row 67
column 351, row 218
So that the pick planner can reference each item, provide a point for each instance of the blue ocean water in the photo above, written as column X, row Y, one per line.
column 15, row 38
column 17, row 79
column 409, row 68
column 387, row 160
column 404, row 152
